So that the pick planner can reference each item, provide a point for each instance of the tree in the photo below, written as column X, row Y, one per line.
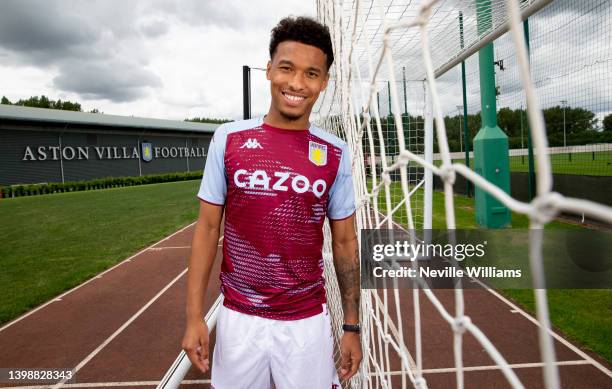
column 5, row 101
column 607, row 123
column 208, row 120
column 576, row 120
column 44, row 102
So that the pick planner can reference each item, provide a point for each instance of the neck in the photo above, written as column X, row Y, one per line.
column 276, row 119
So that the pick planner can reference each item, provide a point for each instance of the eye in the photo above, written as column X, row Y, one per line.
column 313, row 75
column 284, row 68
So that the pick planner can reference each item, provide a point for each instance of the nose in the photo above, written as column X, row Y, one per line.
column 296, row 83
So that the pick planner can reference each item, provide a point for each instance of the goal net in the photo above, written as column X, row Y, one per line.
column 384, row 100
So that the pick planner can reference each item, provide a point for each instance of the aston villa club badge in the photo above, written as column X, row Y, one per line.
column 147, row 151
column 317, row 154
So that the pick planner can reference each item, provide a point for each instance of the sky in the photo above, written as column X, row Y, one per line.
column 177, row 59
column 168, row 59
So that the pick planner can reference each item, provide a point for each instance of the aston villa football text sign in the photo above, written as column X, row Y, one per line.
column 148, row 152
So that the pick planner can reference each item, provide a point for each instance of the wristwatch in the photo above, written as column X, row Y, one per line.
column 351, row 328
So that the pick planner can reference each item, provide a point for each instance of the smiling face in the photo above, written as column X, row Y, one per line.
column 297, row 74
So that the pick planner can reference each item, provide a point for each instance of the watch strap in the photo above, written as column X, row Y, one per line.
column 351, row 328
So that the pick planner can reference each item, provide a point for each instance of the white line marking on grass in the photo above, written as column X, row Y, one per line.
column 109, row 384
column 558, row 337
column 7, row 325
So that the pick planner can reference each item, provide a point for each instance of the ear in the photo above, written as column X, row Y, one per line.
column 268, row 67
column 325, row 81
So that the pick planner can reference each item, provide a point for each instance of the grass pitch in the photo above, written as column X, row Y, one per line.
column 598, row 163
column 51, row 243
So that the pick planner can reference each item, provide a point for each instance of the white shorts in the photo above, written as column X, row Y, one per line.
column 251, row 352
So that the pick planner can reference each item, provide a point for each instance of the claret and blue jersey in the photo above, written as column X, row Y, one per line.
column 277, row 187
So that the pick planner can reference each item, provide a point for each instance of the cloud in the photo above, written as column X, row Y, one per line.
column 41, row 31
column 117, row 80
column 154, row 28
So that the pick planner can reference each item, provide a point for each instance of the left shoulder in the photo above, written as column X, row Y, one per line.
column 328, row 137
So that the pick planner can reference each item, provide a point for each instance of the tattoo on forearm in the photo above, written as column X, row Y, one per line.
column 347, row 271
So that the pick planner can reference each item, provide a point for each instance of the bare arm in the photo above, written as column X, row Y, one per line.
column 203, row 252
column 346, row 263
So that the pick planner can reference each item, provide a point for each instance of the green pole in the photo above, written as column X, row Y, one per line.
column 406, row 118
column 392, row 136
column 531, row 182
column 405, row 96
column 490, row 144
column 389, row 95
column 466, row 135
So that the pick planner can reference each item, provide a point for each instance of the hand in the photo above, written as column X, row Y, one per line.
column 195, row 344
column 350, row 355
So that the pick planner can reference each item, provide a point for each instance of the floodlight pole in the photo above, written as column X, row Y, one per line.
column 491, row 158
column 531, row 181
column 564, row 102
column 459, row 107
column 466, row 133
column 406, row 118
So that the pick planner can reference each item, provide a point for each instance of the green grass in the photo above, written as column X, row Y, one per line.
column 50, row 243
column 580, row 163
column 583, row 315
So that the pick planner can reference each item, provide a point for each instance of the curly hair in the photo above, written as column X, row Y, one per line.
column 304, row 30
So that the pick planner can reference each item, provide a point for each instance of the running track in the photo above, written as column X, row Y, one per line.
column 123, row 329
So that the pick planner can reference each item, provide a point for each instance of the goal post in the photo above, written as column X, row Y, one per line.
column 373, row 41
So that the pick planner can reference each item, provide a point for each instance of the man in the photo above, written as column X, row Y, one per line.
column 277, row 178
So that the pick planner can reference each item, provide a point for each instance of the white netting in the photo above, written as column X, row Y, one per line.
column 373, row 42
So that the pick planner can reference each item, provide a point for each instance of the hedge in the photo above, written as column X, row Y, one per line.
column 100, row 183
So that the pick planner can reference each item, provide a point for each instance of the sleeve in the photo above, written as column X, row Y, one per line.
column 341, row 202
column 214, row 181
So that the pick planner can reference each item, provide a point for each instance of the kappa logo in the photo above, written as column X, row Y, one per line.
column 251, row 144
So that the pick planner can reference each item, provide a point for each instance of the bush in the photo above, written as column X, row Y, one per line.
column 101, row 183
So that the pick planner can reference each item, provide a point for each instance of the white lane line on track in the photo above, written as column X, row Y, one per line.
column 107, row 384
column 168, row 247
column 88, row 358
column 496, row 367
column 7, row 325
column 558, row 337
column 516, row 309
column 120, row 329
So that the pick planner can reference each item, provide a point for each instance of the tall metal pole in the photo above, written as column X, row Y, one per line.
column 389, row 95
column 428, row 195
column 246, row 92
column 521, row 116
column 391, row 125
column 491, row 158
column 564, row 102
column 466, row 134
column 405, row 96
column 406, row 118
column 532, row 181
column 460, row 127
